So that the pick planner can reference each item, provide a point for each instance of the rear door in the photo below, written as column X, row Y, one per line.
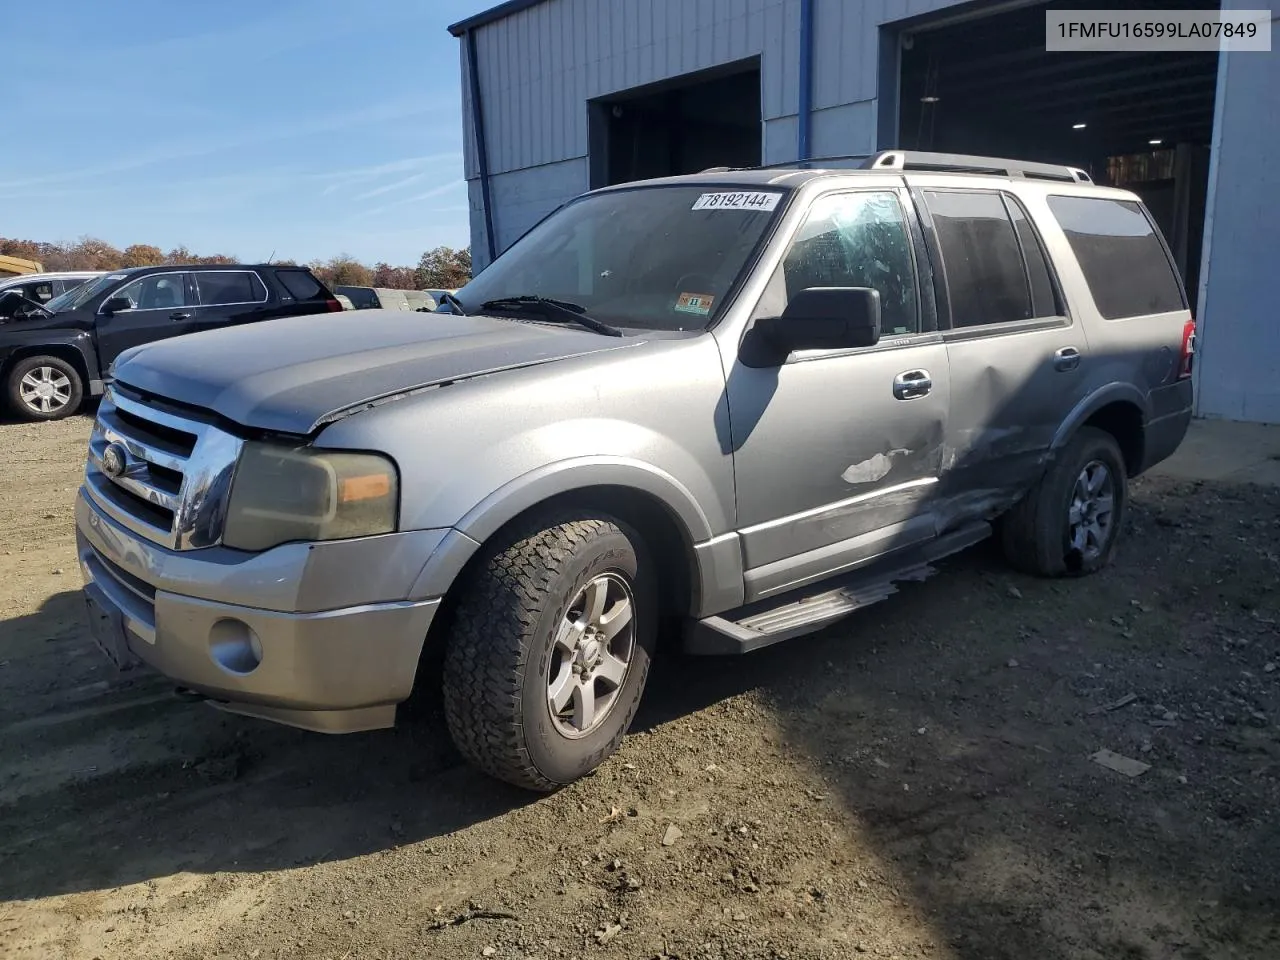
column 1016, row 357
column 161, row 307
column 226, row 298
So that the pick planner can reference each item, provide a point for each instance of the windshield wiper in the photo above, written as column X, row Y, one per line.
column 454, row 304
column 553, row 310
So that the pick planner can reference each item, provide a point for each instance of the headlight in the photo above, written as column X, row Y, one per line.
column 299, row 493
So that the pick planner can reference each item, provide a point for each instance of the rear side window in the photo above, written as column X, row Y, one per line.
column 300, row 284
column 229, row 286
column 1122, row 257
column 986, row 279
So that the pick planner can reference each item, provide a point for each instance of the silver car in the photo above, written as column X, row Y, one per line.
column 745, row 402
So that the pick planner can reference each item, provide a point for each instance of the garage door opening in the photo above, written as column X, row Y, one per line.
column 1142, row 121
column 681, row 126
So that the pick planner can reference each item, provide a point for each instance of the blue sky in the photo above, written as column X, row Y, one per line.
column 306, row 128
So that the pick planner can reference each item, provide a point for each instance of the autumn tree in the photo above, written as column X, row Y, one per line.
column 396, row 278
column 343, row 270
column 90, row 253
column 142, row 255
column 443, row 267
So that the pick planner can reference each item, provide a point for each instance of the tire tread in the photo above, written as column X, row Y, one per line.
column 492, row 638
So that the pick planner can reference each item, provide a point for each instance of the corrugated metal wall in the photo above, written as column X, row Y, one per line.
column 1238, row 367
column 540, row 66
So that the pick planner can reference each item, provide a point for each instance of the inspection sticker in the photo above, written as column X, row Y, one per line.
column 750, row 200
column 699, row 303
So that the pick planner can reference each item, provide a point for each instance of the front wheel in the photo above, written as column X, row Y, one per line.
column 1069, row 524
column 44, row 388
column 549, row 650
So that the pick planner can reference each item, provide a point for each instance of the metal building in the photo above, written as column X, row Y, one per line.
column 560, row 96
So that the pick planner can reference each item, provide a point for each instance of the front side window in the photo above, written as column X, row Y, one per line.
column 158, row 292
column 655, row 258
column 229, row 286
column 858, row 240
column 986, row 277
column 1123, row 260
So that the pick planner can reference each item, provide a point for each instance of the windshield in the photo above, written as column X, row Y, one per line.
column 654, row 258
column 83, row 293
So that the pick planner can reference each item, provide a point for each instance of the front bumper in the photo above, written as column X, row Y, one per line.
column 335, row 670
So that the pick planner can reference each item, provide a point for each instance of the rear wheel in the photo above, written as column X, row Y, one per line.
column 549, row 650
column 1069, row 524
column 44, row 388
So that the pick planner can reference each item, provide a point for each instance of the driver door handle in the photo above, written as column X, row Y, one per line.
column 1068, row 358
column 179, row 316
column 912, row 384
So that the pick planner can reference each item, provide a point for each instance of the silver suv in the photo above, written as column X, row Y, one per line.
column 747, row 402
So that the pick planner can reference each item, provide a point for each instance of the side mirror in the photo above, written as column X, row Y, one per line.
column 117, row 304
column 823, row 318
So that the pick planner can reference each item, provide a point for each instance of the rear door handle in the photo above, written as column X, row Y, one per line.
column 1068, row 358
column 912, row 384
column 179, row 316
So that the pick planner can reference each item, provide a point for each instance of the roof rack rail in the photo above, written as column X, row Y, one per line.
column 963, row 163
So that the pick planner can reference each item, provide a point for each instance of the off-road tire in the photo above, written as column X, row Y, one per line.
column 13, row 388
column 1034, row 534
column 502, row 637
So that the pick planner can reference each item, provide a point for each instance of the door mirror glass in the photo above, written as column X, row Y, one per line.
column 118, row 304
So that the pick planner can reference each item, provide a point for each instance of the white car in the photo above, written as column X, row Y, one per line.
column 42, row 287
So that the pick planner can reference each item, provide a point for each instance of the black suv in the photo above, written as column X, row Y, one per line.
column 51, row 355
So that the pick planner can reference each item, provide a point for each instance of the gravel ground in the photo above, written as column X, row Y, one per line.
column 915, row 782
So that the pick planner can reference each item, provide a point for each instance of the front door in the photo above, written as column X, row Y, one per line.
column 836, row 451
column 162, row 306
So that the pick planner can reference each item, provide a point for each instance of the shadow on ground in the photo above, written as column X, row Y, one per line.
column 953, row 725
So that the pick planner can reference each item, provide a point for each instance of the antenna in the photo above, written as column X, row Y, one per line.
column 271, row 258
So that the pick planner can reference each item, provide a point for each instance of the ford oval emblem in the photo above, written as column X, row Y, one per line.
column 114, row 460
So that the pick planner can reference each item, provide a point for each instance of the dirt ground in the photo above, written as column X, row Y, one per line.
column 915, row 782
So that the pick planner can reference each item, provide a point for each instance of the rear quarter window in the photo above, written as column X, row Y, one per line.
column 1121, row 255
column 300, row 284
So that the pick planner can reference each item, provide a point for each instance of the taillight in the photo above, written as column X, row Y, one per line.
column 1188, row 352
column 333, row 306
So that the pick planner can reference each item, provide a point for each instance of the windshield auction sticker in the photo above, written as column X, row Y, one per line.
column 699, row 303
column 751, row 200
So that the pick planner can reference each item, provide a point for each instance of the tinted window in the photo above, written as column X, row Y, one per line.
column 1044, row 297
column 300, row 284
column 1123, row 260
column 980, row 255
column 858, row 240
column 156, row 292
column 229, row 286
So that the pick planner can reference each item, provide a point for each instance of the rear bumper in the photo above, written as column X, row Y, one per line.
column 1170, row 419
column 337, row 670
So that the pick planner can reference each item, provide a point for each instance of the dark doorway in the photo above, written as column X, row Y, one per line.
column 1142, row 121
column 681, row 126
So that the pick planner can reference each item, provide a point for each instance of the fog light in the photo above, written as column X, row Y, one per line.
column 235, row 647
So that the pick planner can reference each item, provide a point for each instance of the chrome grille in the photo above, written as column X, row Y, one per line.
column 169, row 475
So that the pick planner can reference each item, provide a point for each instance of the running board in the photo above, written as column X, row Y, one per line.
column 797, row 613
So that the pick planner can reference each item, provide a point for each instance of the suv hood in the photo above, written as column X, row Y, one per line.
column 296, row 374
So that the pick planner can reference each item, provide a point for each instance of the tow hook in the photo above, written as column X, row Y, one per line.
column 189, row 695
